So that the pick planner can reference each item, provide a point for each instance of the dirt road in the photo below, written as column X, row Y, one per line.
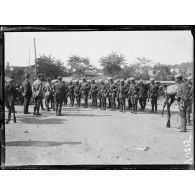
column 93, row 136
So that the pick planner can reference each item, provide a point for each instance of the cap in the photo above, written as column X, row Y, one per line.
column 39, row 75
column 132, row 79
column 152, row 79
column 179, row 75
column 128, row 80
column 189, row 77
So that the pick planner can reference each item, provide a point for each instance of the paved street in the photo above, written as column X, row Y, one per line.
column 93, row 136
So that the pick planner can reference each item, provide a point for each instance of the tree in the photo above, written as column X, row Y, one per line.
column 126, row 72
column 142, row 62
column 50, row 67
column 161, row 71
column 79, row 66
column 112, row 64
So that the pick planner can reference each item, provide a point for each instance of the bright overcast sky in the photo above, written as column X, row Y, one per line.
column 169, row 47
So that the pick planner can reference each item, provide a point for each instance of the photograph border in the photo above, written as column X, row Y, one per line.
column 77, row 28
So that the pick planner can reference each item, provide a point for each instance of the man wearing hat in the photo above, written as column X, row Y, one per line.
column 59, row 92
column 100, row 91
column 94, row 93
column 122, row 95
column 71, row 93
column 182, row 96
column 133, row 91
column 85, row 87
column 153, row 94
column 142, row 95
column 77, row 93
column 27, row 92
column 37, row 89
column 48, row 93
column 128, row 95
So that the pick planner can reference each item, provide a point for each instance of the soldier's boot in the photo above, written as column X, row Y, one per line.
column 133, row 108
column 156, row 107
column 35, row 108
column 152, row 110
column 183, row 124
column 121, row 106
column 38, row 113
column 188, row 120
column 14, row 115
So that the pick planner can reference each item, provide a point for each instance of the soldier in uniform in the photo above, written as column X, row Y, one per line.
column 48, row 93
column 37, row 89
column 113, row 91
column 71, row 93
column 27, row 93
column 77, row 93
column 189, row 105
column 94, row 93
column 153, row 94
column 142, row 95
column 117, row 94
column 85, row 87
column 127, row 86
column 122, row 95
column 59, row 93
column 104, row 95
column 100, row 92
column 182, row 96
column 133, row 92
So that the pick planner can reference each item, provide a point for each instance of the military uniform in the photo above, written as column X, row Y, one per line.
column 183, row 92
column 142, row 96
column 59, row 92
column 153, row 93
column 104, row 95
column 37, row 89
column 85, row 92
column 77, row 92
column 122, row 96
column 71, row 93
column 27, row 93
column 134, row 92
column 94, row 93
column 48, row 95
column 113, row 93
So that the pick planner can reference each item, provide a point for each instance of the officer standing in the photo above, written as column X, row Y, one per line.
column 27, row 93
column 127, row 86
column 59, row 92
column 48, row 93
column 37, row 89
column 182, row 96
column 113, row 91
column 142, row 95
column 133, row 91
column 94, row 93
column 122, row 95
column 77, row 93
column 85, row 87
column 153, row 94
column 71, row 93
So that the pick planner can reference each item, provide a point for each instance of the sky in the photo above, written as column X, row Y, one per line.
column 167, row 47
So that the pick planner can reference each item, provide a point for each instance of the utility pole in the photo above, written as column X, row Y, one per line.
column 35, row 57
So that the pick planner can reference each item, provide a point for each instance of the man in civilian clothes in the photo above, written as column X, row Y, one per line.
column 27, row 93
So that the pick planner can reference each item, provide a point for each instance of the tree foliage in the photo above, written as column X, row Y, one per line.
column 161, row 71
column 50, row 67
column 112, row 64
column 79, row 66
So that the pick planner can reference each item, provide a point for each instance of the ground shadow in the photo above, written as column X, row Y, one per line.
column 85, row 115
column 33, row 120
column 39, row 143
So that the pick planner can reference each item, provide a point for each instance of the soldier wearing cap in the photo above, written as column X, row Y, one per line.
column 100, row 90
column 27, row 92
column 153, row 94
column 133, row 91
column 48, row 94
column 59, row 93
column 122, row 95
column 94, row 92
column 128, row 95
column 85, row 87
column 77, row 93
column 183, row 98
column 37, row 89
column 65, row 100
column 113, row 88
column 71, row 93
column 142, row 95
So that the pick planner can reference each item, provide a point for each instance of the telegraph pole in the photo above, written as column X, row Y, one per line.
column 35, row 57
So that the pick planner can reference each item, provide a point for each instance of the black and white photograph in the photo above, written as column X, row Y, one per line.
column 97, row 96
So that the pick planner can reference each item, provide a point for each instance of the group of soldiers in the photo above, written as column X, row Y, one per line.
column 115, row 92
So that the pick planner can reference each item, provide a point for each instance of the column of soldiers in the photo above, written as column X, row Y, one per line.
column 112, row 93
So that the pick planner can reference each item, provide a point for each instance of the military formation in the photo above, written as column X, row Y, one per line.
column 117, row 94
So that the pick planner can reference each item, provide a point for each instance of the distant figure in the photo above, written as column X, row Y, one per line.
column 122, row 95
column 48, row 93
column 38, row 94
column 94, row 93
column 59, row 92
column 77, row 93
column 27, row 93
column 85, row 87
column 153, row 94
